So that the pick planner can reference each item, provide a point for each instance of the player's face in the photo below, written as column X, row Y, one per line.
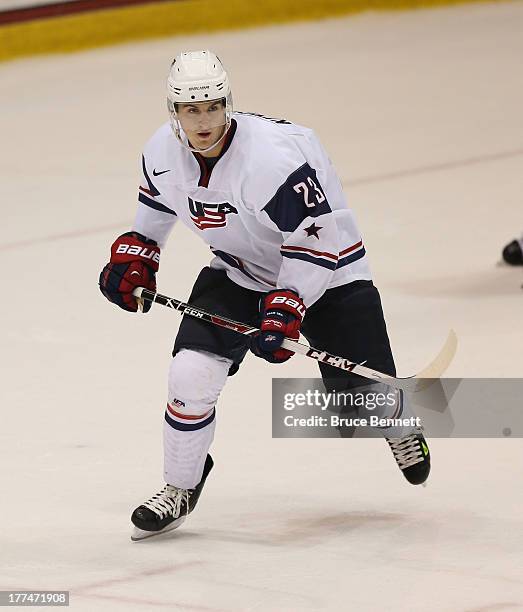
column 203, row 122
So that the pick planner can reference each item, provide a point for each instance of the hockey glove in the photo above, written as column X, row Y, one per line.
column 134, row 263
column 282, row 312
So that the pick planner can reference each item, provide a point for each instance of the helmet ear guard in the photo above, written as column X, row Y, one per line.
column 196, row 77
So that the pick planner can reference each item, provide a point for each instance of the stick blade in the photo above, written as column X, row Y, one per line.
column 436, row 368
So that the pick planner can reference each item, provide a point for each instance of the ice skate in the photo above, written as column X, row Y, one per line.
column 513, row 254
column 167, row 509
column 412, row 456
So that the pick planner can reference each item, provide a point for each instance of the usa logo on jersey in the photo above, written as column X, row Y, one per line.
column 205, row 216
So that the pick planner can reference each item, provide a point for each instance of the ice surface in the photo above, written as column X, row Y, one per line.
column 421, row 113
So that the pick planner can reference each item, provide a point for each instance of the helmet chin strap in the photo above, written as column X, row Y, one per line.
column 178, row 130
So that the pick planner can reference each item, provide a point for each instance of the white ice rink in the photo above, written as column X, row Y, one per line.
column 422, row 115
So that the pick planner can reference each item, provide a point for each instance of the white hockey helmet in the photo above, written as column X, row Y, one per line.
column 195, row 77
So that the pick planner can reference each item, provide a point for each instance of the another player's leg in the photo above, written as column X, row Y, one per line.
column 348, row 321
column 513, row 252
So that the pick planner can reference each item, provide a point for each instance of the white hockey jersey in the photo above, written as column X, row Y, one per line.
column 272, row 210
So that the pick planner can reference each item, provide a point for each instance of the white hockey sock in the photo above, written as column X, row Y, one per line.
column 196, row 379
column 186, row 443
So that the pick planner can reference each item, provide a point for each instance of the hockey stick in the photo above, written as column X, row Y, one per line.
column 410, row 383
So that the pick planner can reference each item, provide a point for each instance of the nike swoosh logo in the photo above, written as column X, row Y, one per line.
column 158, row 173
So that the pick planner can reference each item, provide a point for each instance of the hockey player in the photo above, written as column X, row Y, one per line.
column 288, row 257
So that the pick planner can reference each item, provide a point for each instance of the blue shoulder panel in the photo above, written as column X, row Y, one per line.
column 301, row 196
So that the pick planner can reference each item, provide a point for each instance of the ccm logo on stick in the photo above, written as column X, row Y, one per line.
column 193, row 312
column 132, row 249
column 339, row 362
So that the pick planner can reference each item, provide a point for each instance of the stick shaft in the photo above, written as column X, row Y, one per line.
column 292, row 345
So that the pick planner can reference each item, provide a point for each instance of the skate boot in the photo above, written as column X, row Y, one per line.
column 168, row 509
column 512, row 253
column 412, row 456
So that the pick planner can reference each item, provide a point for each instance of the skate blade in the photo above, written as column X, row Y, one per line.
column 139, row 534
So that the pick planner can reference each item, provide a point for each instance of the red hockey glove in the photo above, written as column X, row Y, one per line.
column 282, row 312
column 134, row 263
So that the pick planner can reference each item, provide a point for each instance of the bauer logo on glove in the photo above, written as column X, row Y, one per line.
column 294, row 304
column 135, row 249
